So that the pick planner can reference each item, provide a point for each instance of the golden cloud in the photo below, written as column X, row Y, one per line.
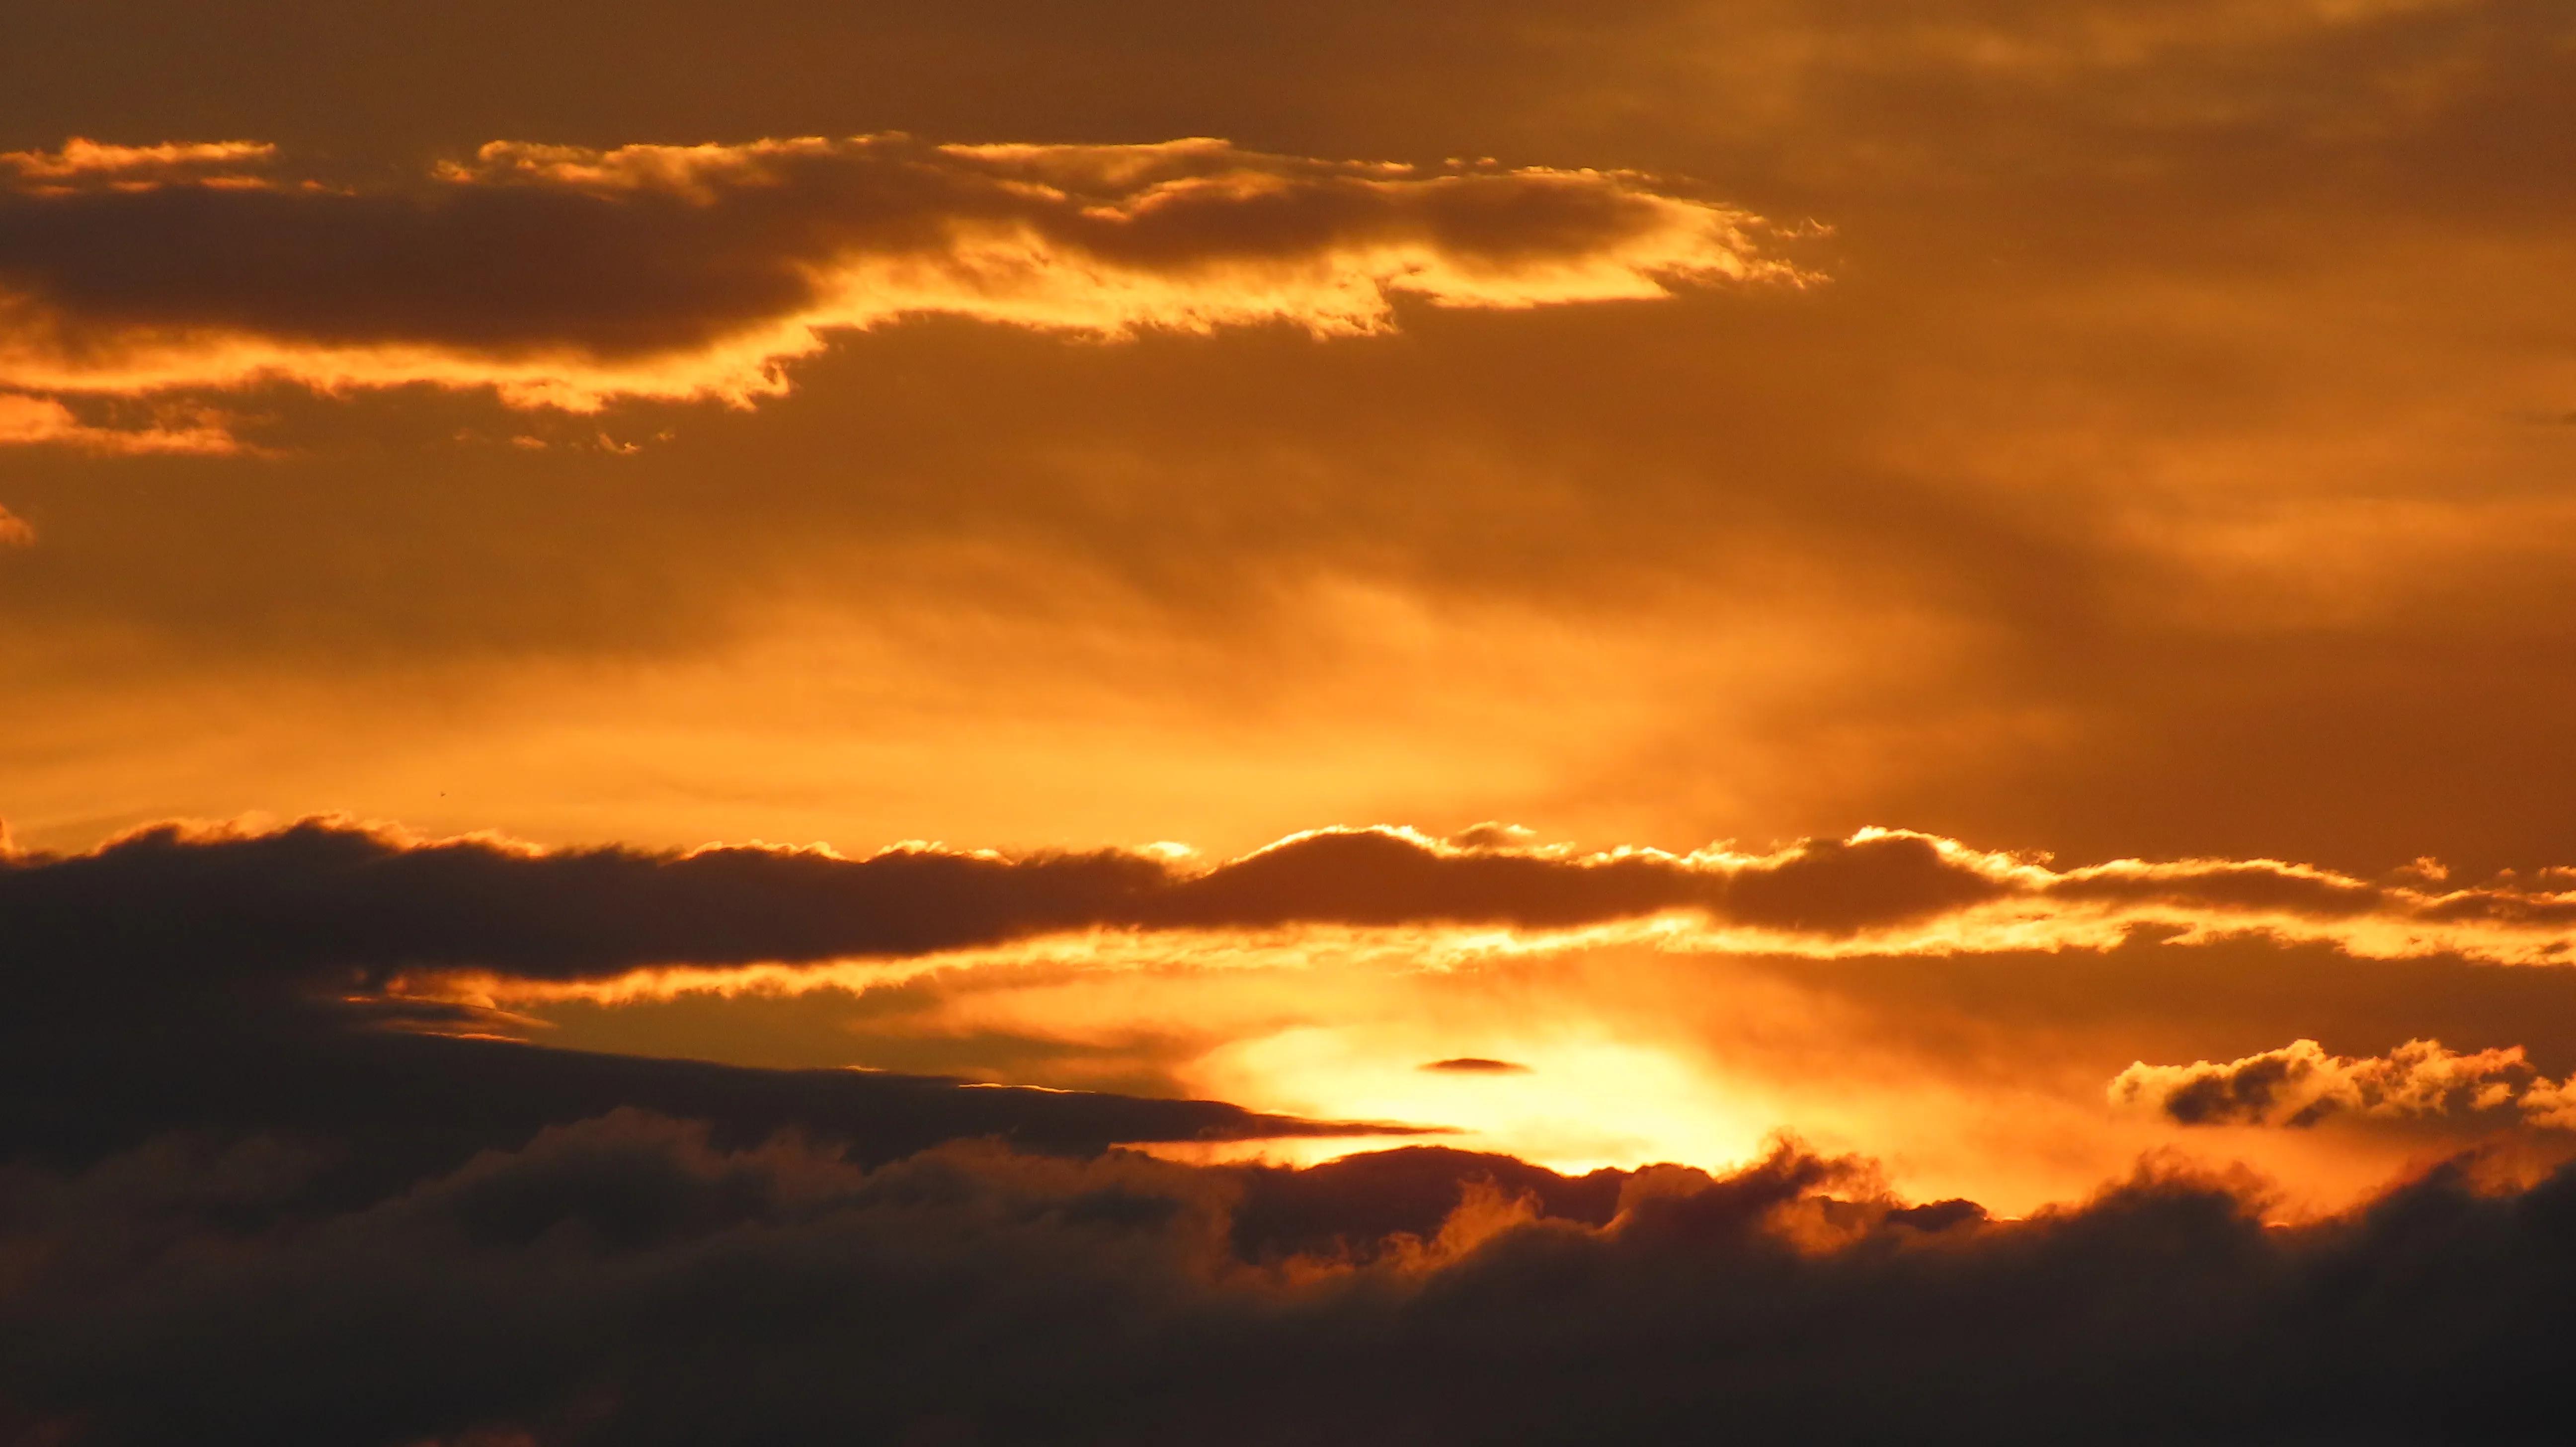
column 87, row 164
column 2301, row 1084
column 565, row 276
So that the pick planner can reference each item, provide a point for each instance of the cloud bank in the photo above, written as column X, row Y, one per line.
column 625, row 1281
column 564, row 276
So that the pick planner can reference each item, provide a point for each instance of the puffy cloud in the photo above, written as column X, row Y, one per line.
column 15, row 532
column 2301, row 1084
column 629, row 1280
column 566, row 276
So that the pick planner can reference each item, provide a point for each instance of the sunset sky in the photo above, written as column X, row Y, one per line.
column 1468, row 658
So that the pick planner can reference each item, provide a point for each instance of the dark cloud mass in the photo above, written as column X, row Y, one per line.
column 623, row 1281
column 320, row 897
column 244, row 998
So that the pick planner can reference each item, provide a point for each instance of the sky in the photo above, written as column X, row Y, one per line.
column 1851, row 715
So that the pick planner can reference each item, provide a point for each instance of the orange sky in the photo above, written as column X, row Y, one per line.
column 2076, row 433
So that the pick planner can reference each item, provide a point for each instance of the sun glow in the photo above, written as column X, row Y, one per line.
column 1583, row 1101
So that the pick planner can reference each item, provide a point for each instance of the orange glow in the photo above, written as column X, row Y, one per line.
column 1634, row 1053
column 27, row 421
column 1037, row 724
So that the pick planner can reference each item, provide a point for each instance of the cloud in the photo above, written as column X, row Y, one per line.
column 253, row 1006
column 628, row 1279
column 83, row 164
column 25, row 421
column 566, row 276
column 2300, row 1085
column 334, row 906
column 395, row 1103
column 15, row 532
column 1476, row 1065
column 214, row 1186
column 2100, row 208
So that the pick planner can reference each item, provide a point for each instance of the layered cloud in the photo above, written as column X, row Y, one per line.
column 2301, row 1084
column 335, row 904
column 566, row 276
column 224, row 1210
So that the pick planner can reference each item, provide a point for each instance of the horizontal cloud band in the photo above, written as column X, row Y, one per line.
column 566, row 276
column 326, row 901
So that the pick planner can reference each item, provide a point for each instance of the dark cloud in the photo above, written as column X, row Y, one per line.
column 1360, row 1206
column 1475, row 1065
column 568, row 275
column 321, row 900
column 394, row 1102
column 1835, row 886
column 334, row 906
column 239, row 993
column 1359, row 876
column 626, row 1281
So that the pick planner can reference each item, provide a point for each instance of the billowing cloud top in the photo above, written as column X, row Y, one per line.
column 623, row 1281
column 2301, row 1084
column 564, row 276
